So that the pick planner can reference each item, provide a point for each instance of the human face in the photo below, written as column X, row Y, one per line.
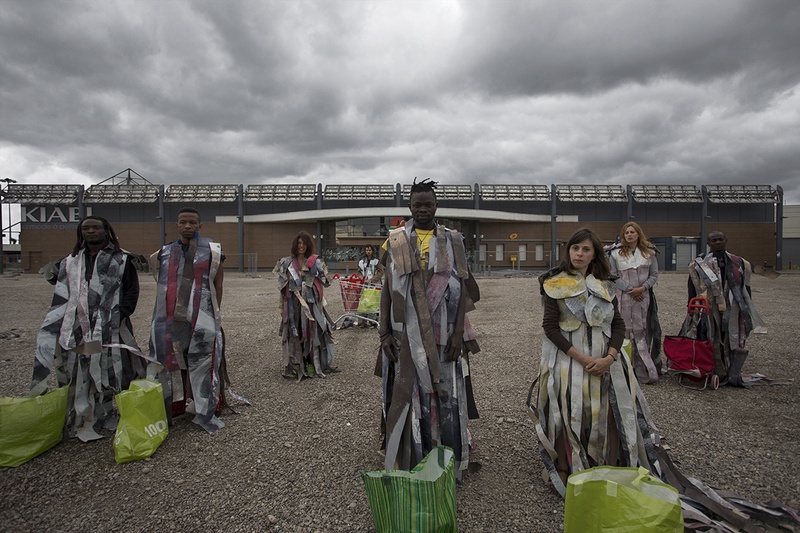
column 188, row 225
column 93, row 232
column 717, row 242
column 423, row 209
column 368, row 251
column 631, row 236
column 301, row 247
column 581, row 255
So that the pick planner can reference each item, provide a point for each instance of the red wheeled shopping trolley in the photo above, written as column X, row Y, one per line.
column 691, row 354
column 360, row 300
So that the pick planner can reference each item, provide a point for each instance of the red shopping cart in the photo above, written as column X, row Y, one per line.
column 360, row 300
column 690, row 354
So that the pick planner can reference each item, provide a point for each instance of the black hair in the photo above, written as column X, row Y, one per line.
column 426, row 185
column 110, row 235
column 189, row 210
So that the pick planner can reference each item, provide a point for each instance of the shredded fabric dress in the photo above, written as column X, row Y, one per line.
column 726, row 285
column 640, row 316
column 79, row 340
column 427, row 400
column 574, row 405
column 306, row 327
column 186, row 332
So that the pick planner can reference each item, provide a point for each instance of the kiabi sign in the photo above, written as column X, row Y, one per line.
column 49, row 214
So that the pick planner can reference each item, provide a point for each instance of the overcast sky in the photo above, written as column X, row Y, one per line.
column 595, row 92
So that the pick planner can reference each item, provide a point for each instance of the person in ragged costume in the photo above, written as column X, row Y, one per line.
column 724, row 279
column 633, row 263
column 186, row 335
column 426, row 338
column 589, row 410
column 306, row 327
column 96, row 292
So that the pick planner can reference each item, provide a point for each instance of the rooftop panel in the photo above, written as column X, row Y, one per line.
column 41, row 194
column 122, row 194
column 591, row 193
column 446, row 192
column 359, row 192
column 201, row 193
column 666, row 193
column 736, row 194
column 279, row 192
column 515, row 192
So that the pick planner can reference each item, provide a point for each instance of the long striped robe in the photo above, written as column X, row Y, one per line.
column 427, row 400
column 84, row 311
column 186, row 332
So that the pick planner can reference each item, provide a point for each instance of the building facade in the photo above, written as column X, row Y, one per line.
column 505, row 226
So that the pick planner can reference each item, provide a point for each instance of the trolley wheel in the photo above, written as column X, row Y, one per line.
column 715, row 381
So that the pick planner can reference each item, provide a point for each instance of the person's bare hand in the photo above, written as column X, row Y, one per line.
column 599, row 366
column 389, row 348
column 454, row 348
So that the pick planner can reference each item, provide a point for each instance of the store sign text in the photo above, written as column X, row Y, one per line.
column 48, row 215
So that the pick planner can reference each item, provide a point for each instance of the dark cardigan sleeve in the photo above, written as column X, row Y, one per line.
column 550, row 324
column 617, row 328
column 553, row 332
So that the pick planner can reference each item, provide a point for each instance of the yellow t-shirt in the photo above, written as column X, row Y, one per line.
column 423, row 245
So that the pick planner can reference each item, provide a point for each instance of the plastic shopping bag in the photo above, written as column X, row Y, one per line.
column 370, row 301
column 30, row 426
column 609, row 499
column 142, row 421
column 420, row 500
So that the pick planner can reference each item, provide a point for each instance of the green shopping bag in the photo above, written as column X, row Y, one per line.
column 617, row 499
column 30, row 426
column 142, row 421
column 420, row 500
column 370, row 301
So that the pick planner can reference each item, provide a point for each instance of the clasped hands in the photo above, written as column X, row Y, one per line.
column 596, row 366
column 637, row 293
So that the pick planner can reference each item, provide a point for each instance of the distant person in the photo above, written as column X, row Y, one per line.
column 587, row 410
column 187, row 333
column 426, row 338
column 724, row 279
column 633, row 263
column 96, row 292
column 368, row 265
column 306, row 327
column 370, row 268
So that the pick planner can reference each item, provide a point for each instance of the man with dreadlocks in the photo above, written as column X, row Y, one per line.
column 426, row 338
column 186, row 334
column 97, row 289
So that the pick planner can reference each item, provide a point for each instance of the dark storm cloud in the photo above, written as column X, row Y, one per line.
column 344, row 92
column 586, row 47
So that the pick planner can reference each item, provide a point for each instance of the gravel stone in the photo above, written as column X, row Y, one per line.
column 293, row 460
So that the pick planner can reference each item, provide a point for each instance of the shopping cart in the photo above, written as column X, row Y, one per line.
column 690, row 354
column 361, row 301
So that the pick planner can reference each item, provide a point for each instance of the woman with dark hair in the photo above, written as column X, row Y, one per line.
column 306, row 326
column 588, row 411
column 633, row 263
column 368, row 265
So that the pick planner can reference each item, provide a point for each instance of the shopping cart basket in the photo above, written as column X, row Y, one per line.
column 360, row 300
column 690, row 354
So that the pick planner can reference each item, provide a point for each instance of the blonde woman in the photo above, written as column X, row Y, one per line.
column 633, row 263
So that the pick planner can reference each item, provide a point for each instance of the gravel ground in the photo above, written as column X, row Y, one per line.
column 292, row 461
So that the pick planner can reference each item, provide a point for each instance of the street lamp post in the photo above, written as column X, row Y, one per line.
column 7, row 181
